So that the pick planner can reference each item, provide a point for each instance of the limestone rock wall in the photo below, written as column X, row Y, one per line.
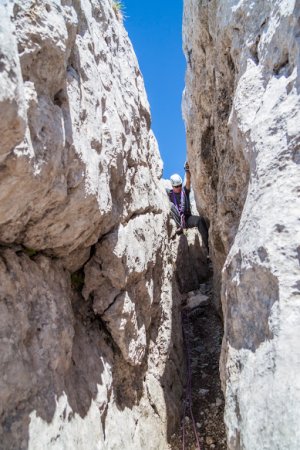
column 90, row 332
column 241, row 107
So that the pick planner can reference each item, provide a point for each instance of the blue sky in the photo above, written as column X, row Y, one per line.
column 154, row 28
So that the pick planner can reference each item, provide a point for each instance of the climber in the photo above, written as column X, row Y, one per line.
column 180, row 205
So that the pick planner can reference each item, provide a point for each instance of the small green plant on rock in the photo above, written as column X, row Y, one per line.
column 118, row 8
column 29, row 251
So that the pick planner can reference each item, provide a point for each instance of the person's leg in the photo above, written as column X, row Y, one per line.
column 175, row 215
column 197, row 221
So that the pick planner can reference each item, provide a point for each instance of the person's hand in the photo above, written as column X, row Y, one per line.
column 186, row 167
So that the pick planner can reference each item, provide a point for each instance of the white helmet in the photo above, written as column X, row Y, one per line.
column 176, row 180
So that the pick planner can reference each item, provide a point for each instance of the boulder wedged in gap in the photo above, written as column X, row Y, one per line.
column 192, row 260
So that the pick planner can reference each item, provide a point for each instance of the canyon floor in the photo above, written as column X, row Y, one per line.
column 203, row 334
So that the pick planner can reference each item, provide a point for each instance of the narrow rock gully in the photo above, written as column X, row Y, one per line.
column 202, row 425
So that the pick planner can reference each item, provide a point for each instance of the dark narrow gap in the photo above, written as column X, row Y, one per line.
column 203, row 332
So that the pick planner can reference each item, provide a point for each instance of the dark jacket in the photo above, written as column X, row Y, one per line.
column 178, row 199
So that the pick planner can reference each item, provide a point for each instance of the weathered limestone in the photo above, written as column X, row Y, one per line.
column 88, row 127
column 191, row 261
column 12, row 105
column 241, row 107
column 90, row 330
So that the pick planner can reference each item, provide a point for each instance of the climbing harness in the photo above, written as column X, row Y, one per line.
column 188, row 390
column 180, row 208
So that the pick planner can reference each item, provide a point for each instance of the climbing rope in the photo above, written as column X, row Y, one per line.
column 188, row 391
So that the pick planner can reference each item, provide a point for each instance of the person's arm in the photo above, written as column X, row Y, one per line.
column 187, row 176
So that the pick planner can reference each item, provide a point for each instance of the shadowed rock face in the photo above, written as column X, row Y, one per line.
column 191, row 262
column 241, row 107
column 90, row 332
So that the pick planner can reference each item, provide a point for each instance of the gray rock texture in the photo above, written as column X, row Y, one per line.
column 88, row 127
column 191, row 266
column 90, row 332
column 12, row 102
column 241, row 107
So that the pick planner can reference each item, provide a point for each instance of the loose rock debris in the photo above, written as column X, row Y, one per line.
column 203, row 331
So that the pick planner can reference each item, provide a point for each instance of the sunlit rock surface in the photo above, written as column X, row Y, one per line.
column 241, row 107
column 90, row 330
